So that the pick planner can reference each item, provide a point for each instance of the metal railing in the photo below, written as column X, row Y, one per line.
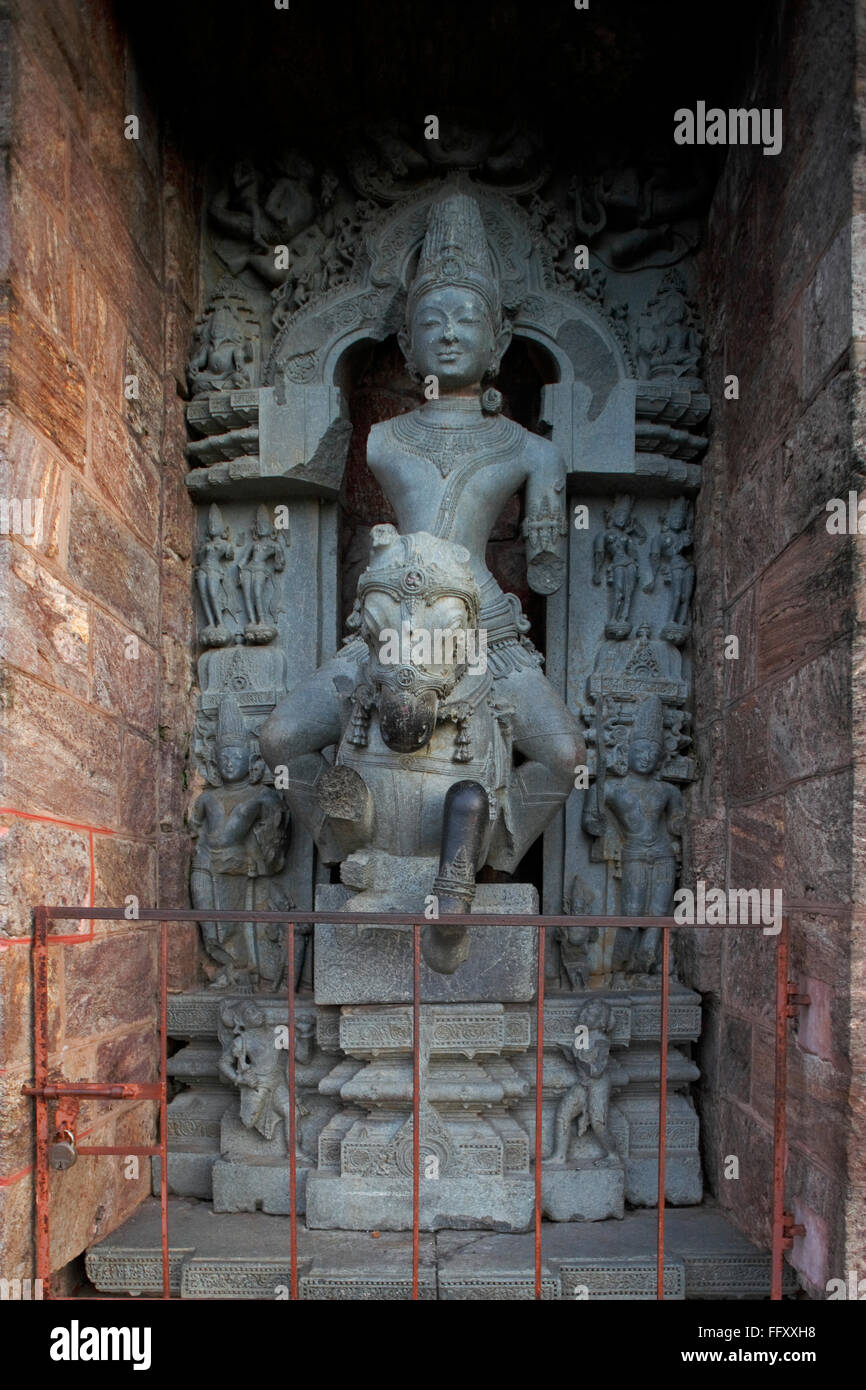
column 66, row 1093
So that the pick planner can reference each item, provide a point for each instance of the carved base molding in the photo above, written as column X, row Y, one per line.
column 246, row 1256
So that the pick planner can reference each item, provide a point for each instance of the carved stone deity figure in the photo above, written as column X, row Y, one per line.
column 214, row 554
column 448, row 468
column 667, row 555
column 587, row 1100
column 648, row 814
column 221, row 355
column 241, row 831
column 252, row 1061
column 615, row 554
column 260, row 559
column 667, row 344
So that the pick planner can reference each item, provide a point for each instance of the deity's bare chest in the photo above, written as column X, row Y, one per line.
column 438, row 466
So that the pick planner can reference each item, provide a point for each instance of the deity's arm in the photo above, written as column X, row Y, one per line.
column 545, row 527
column 593, row 820
column 198, row 816
column 675, row 811
column 599, row 546
column 655, row 557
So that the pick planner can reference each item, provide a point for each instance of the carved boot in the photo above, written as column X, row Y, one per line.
column 464, row 821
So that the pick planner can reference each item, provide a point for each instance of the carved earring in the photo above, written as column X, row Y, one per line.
column 362, row 704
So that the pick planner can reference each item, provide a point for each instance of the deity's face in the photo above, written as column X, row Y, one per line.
column 233, row 763
column 451, row 337
column 643, row 755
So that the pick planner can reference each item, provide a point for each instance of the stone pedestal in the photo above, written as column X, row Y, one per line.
column 474, row 1156
column 373, row 965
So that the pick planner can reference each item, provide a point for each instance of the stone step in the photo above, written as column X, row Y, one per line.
column 246, row 1255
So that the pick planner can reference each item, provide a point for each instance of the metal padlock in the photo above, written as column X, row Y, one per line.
column 61, row 1154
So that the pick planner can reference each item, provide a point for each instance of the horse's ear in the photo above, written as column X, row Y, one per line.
column 382, row 535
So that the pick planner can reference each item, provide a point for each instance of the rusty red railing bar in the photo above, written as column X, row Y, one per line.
column 779, row 1112
column 539, row 1083
column 126, row 1150
column 293, row 1158
column 663, row 1107
column 42, row 1092
column 163, row 1110
column 369, row 919
column 416, row 1104
column 96, row 1090
column 40, row 1078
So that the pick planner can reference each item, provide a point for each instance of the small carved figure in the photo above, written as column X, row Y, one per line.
column 574, row 942
column 588, row 1099
column 221, row 355
column 252, row 1062
column 616, row 545
column 648, row 814
column 241, row 830
column 667, row 343
column 214, row 554
column 260, row 559
column 667, row 555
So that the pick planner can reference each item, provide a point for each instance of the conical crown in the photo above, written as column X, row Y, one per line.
column 231, row 730
column 456, row 252
column 649, row 721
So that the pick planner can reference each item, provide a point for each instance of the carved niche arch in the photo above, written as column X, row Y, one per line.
column 579, row 337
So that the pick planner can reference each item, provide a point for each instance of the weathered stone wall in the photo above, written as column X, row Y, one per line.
column 776, row 740
column 100, row 238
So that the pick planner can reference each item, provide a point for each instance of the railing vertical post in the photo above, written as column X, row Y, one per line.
column 162, row 927
column 539, row 1087
column 292, row 1135
column 663, row 1107
column 416, row 1103
column 40, row 1077
column 779, row 1110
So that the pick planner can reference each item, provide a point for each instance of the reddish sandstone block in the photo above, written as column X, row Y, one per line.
column 800, row 743
column 177, row 608
column 123, row 473
column 99, row 334
column 41, row 267
column 38, row 126
column 62, row 756
column 747, row 748
column 178, row 517
column 83, row 1202
column 16, row 1123
column 40, row 863
column 131, row 1056
column 125, row 673
column 818, row 839
column 144, row 412
column 16, row 996
column 17, row 1253
column 138, row 785
column 54, row 32
column 804, row 600
column 108, row 562
column 110, row 982
column 123, row 867
column 107, row 249
column 45, row 384
column 746, row 1198
column 749, row 969
column 816, row 458
column 29, row 469
column 127, row 181
column 758, row 844
column 47, row 627
column 739, row 675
